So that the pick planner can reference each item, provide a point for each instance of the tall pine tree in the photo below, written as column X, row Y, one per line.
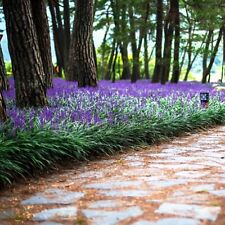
column 25, row 54
column 82, row 66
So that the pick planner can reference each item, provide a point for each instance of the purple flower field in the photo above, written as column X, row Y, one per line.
column 110, row 103
column 82, row 123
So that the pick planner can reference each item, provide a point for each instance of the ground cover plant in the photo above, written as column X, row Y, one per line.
column 79, row 123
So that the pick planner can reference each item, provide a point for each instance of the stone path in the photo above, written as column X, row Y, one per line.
column 176, row 183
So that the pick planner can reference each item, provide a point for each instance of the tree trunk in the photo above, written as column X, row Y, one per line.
column 126, row 67
column 67, row 33
column 136, row 67
column 25, row 54
column 151, row 53
column 176, row 64
column 109, row 66
column 95, row 55
column 213, row 56
column 124, row 44
column 183, row 58
column 144, row 27
column 189, row 51
column 223, row 62
column 42, row 28
column 60, row 33
column 103, row 51
column 119, row 10
column 3, row 78
column 81, row 62
column 205, row 55
column 146, row 62
column 169, row 28
column 188, row 48
column 114, row 65
column 190, row 63
column 57, row 42
column 158, row 49
column 3, row 116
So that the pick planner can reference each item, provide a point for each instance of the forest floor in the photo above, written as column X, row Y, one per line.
column 177, row 183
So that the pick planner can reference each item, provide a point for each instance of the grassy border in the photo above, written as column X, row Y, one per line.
column 41, row 149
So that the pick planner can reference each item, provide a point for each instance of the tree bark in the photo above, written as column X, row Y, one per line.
column 158, row 49
column 170, row 25
column 223, row 62
column 42, row 28
column 183, row 58
column 104, row 56
column 190, row 63
column 3, row 78
column 119, row 10
column 67, row 33
column 126, row 66
column 25, row 54
column 109, row 66
column 56, row 37
column 167, row 51
column 136, row 66
column 146, row 62
column 212, row 59
column 114, row 65
column 95, row 56
column 126, row 74
column 176, row 63
column 81, row 61
column 144, row 34
column 189, row 50
column 205, row 55
column 3, row 86
column 3, row 116
column 60, row 33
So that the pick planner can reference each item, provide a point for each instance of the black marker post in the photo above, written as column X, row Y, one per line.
column 204, row 98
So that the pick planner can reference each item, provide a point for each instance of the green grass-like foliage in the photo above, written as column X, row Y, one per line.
column 40, row 148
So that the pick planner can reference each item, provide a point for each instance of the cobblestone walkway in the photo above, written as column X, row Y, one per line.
column 176, row 183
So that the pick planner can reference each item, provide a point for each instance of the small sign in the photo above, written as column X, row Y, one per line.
column 204, row 98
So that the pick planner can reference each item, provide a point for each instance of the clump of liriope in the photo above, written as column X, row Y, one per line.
column 42, row 147
column 82, row 123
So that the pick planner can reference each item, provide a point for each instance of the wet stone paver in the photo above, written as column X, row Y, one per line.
column 169, row 221
column 47, row 214
column 194, row 211
column 53, row 196
column 112, row 217
column 177, row 183
column 50, row 223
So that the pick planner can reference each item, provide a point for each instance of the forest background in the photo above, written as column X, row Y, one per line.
column 196, row 20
